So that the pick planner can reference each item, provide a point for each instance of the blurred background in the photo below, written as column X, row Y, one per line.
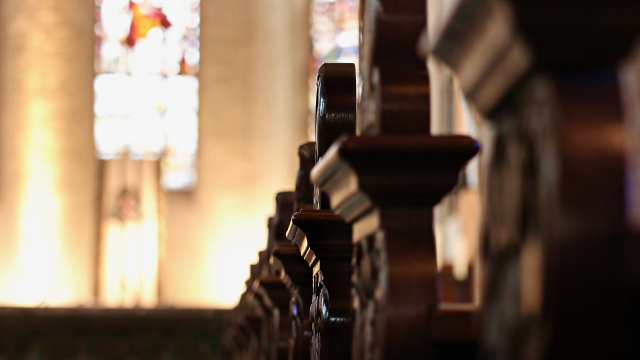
column 142, row 142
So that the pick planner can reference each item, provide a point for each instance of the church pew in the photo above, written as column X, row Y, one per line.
column 556, row 240
column 293, row 274
column 390, row 209
column 242, row 340
column 274, row 286
column 324, row 242
column 385, row 183
column 297, row 272
column 261, row 327
column 276, row 303
column 273, row 296
column 324, row 239
column 299, row 279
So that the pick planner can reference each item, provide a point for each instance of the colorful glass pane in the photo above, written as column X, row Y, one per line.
column 146, row 92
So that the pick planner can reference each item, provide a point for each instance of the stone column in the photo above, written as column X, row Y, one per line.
column 48, row 179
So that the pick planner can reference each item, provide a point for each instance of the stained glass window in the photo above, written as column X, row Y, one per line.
column 146, row 92
column 334, row 34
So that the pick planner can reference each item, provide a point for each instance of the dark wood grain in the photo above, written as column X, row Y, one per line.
column 395, row 96
column 335, row 104
column 335, row 111
column 555, row 234
column 324, row 242
column 386, row 186
column 299, row 279
column 359, row 171
column 304, row 187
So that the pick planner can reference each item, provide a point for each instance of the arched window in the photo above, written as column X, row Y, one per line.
column 146, row 94
column 146, row 111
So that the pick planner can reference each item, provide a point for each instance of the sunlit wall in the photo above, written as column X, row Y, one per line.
column 252, row 116
column 48, row 180
column 253, row 88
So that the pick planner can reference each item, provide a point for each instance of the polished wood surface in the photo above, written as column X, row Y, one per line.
column 324, row 241
column 389, row 201
column 304, row 186
column 555, row 231
column 395, row 96
column 557, row 274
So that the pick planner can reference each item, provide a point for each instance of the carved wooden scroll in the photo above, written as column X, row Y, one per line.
column 265, row 305
column 273, row 296
column 296, row 272
column 335, row 111
column 250, row 323
column 394, row 80
column 277, row 283
column 254, row 326
column 249, row 334
column 298, row 276
column 557, row 285
column 242, row 339
column 304, row 187
column 335, row 104
column 277, row 296
column 386, row 187
column 324, row 241
column 296, row 269
column 385, row 183
column 270, row 319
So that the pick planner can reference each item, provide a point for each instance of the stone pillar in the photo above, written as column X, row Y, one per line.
column 48, row 179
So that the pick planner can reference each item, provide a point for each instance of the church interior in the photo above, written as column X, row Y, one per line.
column 319, row 179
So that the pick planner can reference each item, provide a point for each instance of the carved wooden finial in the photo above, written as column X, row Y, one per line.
column 335, row 111
column 386, row 182
column 278, row 226
column 395, row 93
column 304, row 187
column 335, row 104
column 289, row 286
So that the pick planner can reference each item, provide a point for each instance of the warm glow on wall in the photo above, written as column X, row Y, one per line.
column 41, row 273
column 48, row 186
column 210, row 271
column 231, row 257
column 39, row 232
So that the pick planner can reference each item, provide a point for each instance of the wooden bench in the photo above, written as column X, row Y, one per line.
column 555, row 236
column 558, row 249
